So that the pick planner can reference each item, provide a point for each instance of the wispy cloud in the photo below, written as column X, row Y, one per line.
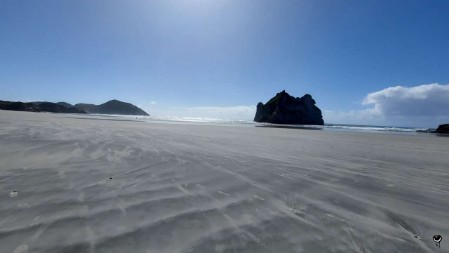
column 362, row 117
column 216, row 112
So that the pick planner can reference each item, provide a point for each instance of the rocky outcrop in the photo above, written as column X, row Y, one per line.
column 37, row 107
column 286, row 109
column 443, row 129
column 112, row 107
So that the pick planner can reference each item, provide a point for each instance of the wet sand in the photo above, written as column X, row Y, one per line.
column 82, row 185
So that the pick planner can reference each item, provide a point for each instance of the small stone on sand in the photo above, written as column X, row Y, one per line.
column 13, row 194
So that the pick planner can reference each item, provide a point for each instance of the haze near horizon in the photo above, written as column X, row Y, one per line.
column 364, row 62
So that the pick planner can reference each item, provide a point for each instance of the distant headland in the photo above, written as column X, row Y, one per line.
column 110, row 107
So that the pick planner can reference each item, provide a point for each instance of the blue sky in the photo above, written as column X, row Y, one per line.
column 207, row 58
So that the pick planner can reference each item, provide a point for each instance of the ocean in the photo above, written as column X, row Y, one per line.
column 215, row 121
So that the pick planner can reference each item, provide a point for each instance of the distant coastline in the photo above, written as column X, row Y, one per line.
column 110, row 107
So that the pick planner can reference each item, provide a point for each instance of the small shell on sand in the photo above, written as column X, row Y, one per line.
column 21, row 249
column 13, row 194
column 258, row 197
column 23, row 205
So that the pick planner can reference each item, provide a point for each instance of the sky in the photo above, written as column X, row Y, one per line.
column 383, row 62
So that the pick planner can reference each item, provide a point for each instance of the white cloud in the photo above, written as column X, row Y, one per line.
column 422, row 100
column 152, row 102
column 422, row 106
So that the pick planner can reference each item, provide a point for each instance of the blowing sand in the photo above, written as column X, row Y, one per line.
column 96, row 185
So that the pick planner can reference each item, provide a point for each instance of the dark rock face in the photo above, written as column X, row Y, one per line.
column 37, row 107
column 18, row 106
column 443, row 129
column 89, row 108
column 112, row 107
column 65, row 104
column 286, row 109
column 52, row 107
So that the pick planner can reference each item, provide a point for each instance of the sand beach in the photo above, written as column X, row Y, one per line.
column 90, row 184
